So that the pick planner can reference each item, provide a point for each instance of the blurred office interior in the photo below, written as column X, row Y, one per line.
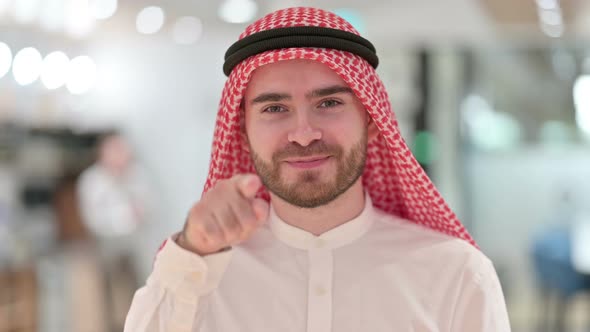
column 493, row 96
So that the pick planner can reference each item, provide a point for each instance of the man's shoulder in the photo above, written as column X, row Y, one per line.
column 385, row 222
column 416, row 241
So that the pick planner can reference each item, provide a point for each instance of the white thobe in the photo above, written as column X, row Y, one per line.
column 374, row 273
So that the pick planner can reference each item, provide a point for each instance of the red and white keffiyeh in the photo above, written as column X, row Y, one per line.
column 394, row 179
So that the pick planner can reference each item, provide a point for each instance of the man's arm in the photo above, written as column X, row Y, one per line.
column 175, row 293
column 481, row 306
column 190, row 267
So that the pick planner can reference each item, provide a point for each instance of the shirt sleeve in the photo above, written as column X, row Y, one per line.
column 176, row 292
column 480, row 305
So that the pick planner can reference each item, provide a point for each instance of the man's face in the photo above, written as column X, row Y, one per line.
column 115, row 154
column 306, row 131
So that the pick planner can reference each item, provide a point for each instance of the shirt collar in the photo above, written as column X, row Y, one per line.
column 334, row 238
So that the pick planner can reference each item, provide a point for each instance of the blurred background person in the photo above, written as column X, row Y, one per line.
column 113, row 195
column 80, row 282
column 113, row 191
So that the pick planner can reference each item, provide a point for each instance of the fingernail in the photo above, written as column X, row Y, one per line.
column 249, row 179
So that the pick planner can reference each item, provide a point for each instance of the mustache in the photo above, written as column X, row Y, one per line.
column 316, row 147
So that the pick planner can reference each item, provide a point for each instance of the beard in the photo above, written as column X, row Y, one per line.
column 311, row 189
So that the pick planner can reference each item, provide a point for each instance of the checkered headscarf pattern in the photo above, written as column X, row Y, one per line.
column 394, row 179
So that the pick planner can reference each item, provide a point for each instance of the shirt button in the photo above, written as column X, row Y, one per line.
column 197, row 275
column 320, row 290
column 320, row 243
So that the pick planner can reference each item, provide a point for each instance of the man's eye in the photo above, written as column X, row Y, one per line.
column 330, row 103
column 274, row 109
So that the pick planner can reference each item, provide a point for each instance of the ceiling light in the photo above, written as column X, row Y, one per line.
column 26, row 66
column 150, row 20
column 55, row 70
column 79, row 23
column 5, row 59
column 81, row 75
column 238, row 11
column 25, row 11
column 103, row 9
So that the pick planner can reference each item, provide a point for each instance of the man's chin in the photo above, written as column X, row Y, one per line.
column 306, row 195
column 307, row 202
column 308, row 177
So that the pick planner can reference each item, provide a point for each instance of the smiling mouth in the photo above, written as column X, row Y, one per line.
column 305, row 159
column 309, row 162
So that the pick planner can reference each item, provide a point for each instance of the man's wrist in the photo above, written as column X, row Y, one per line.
column 182, row 241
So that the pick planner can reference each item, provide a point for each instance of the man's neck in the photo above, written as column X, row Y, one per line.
column 324, row 218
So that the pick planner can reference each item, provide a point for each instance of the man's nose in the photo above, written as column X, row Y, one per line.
column 304, row 132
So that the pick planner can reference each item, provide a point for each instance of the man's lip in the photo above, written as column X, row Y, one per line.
column 306, row 160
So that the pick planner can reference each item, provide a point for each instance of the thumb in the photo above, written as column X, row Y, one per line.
column 248, row 185
column 261, row 209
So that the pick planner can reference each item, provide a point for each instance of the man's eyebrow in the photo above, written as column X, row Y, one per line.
column 270, row 96
column 330, row 90
column 321, row 92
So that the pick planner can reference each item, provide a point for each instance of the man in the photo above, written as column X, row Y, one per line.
column 315, row 215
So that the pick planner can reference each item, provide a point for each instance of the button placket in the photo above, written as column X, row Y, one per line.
column 319, row 310
column 319, row 243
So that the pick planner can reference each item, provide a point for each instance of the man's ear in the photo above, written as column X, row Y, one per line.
column 372, row 130
column 245, row 144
